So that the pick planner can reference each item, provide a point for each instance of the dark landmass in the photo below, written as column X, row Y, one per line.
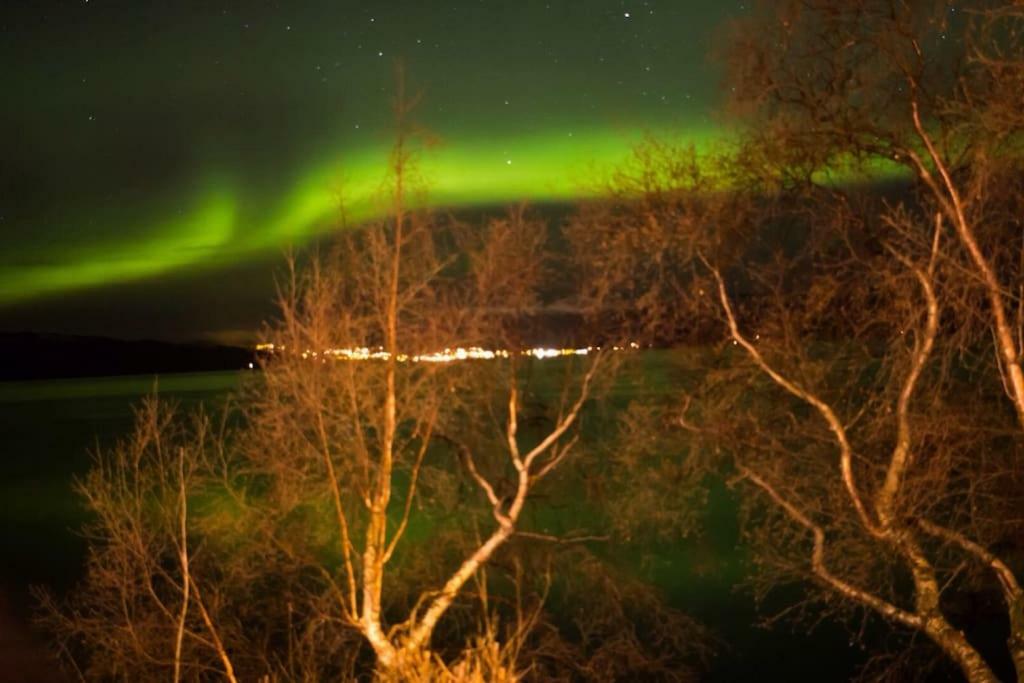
column 30, row 355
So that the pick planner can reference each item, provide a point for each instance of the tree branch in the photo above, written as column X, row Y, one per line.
column 825, row 410
column 883, row 607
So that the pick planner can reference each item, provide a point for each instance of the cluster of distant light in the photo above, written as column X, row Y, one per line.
column 446, row 356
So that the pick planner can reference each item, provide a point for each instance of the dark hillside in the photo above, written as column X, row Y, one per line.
column 28, row 355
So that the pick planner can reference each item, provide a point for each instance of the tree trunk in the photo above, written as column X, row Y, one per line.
column 934, row 622
column 955, row 645
column 1016, row 640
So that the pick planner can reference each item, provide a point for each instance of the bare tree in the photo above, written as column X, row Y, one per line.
column 368, row 435
column 880, row 444
column 147, row 608
column 862, row 245
column 369, row 508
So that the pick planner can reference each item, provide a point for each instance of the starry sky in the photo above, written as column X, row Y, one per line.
column 157, row 158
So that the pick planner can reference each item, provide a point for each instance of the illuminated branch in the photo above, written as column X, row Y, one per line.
column 422, row 631
column 466, row 456
column 414, row 477
column 825, row 410
column 818, row 566
column 1007, row 579
column 559, row 455
column 229, row 669
column 511, row 427
column 339, row 511
column 923, row 348
column 566, row 421
column 183, row 558
column 949, row 198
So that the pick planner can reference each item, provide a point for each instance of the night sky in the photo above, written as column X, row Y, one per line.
column 157, row 158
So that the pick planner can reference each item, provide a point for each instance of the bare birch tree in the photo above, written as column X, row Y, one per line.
column 373, row 508
column 885, row 333
column 152, row 605
column 861, row 247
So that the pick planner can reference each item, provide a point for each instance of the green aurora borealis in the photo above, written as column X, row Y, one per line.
column 153, row 142
column 213, row 228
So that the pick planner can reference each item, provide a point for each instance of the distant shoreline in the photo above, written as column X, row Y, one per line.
column 37, row 356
